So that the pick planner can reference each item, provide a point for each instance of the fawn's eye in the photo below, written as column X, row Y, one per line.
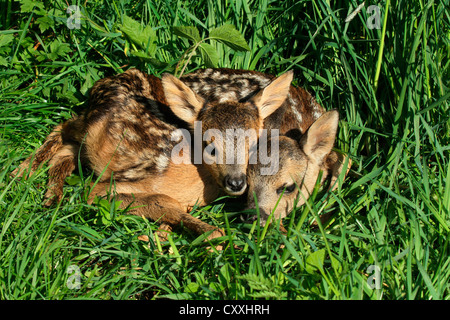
column 286, row 188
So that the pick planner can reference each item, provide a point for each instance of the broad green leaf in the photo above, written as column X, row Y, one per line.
column 225, row 274
column 209, row 55
column 227, row 34
column 142, row 36
column 45, row 23
column 336, row 264
column 192, row 287
column 5, row 47
column 187, row 32
column 58, row 49
column 73, row 180
column 30, row 5
column 5, row 39
column 315, row 261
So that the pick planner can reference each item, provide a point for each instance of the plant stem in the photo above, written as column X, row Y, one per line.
column 380, row 52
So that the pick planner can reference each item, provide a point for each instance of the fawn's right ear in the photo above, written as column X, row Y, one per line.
column 183, row 102
column 318, row 141
column 272, row 97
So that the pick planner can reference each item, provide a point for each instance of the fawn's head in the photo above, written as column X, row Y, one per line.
column 300, row 161
column 229, row 129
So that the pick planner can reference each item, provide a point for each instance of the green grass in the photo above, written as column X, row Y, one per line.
column 393, row 211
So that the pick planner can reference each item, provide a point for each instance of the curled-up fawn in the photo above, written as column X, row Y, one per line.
column 134, row 123
column 131, row 127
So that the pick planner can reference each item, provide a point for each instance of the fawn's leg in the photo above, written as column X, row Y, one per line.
column 166, row 210
column 157, row 207
column 61, row 166
column 52, row 144
column 62, row 161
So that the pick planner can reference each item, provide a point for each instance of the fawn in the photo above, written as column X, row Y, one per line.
column 301, row 158
column 126, row 133
column 128, row 129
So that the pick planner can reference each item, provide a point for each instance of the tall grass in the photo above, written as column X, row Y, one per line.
column 390, row 215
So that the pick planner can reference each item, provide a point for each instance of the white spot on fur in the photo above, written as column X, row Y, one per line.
column 294, row 110
column 317, row 109
column 228, row 96
column 176, row 135
column 162, row 162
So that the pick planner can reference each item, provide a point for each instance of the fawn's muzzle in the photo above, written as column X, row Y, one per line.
column 235, row 185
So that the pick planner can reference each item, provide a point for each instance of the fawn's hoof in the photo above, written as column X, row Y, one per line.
column 163, row 231
column 217, row 233
column 52, row 197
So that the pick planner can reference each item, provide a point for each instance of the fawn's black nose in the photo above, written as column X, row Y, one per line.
column 236, row 184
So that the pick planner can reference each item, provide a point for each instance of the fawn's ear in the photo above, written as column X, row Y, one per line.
column 318, row 141
column 183, row 102
column 272, row 97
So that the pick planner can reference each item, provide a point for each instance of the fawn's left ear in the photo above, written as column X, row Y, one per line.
column 272, row 97
column 318, row 141
column 183, row 102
